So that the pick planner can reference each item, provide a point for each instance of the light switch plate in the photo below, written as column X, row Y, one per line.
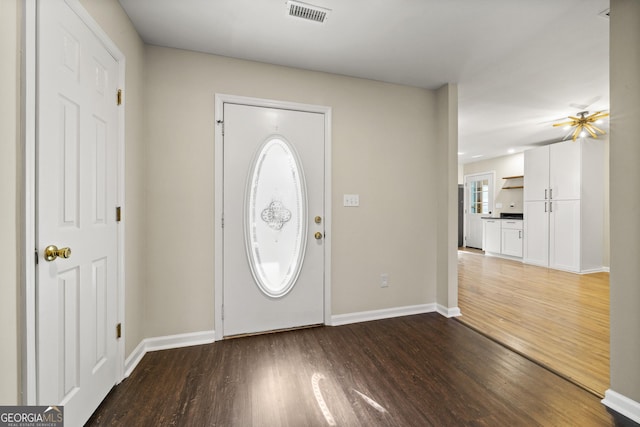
column 351, row 200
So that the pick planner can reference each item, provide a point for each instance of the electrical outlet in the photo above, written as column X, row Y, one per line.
column 384, row 280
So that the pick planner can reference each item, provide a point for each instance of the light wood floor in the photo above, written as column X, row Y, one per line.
column 558, row 319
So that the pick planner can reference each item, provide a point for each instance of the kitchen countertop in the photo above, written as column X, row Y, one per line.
column 502, row 219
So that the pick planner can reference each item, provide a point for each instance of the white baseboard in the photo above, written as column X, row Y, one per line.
column 207, row 337
column 448, row 312
column 622, row 404
column 164, row 343
column 594, row 270
column 386, row 313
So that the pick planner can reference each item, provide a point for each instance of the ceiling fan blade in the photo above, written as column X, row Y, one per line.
column 597, row 129
column 587, row 104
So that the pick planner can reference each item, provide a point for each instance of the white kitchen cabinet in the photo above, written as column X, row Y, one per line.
column 491, row 235
column 503, row 237
column 536, row 174
column 564, row 205
column 536, row 231
column 564, row 170
column 553, row 172
column 511, row 238
column 564, row 232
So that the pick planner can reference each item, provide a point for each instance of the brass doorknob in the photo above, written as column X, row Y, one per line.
column 318, row 235
column 52, row 252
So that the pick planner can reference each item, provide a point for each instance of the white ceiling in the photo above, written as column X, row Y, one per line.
column 520, row 65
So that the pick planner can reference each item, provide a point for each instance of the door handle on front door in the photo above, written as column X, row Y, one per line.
column 52, row 252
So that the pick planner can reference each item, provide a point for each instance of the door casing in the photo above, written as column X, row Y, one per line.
column 220, row 100
column 28, row 240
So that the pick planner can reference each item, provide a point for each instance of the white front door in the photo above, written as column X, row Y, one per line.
column 273, row 210
column 77, row 128
column 479, row 202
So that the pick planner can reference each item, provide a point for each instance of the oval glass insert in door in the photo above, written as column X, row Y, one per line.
column 275, row 217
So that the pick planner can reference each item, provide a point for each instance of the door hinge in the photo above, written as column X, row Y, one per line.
column 119, row 330
column 221, row 123
column 119, row 97
column 118, row 214
column 223, row 221
column 36, row 255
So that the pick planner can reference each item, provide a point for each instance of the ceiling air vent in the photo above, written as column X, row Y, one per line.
column 307, row 11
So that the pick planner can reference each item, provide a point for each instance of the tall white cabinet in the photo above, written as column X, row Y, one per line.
column 564, row 206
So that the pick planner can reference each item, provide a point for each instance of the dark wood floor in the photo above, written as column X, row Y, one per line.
column 421, row 370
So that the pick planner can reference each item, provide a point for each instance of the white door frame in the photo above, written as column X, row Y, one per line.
column 28, row 125
column 466, row 198
column 220, row 99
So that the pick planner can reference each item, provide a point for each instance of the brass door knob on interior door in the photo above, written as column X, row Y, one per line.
column 318, row 235
column 52, row 252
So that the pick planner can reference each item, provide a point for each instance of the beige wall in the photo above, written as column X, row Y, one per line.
column 383, row 149
column 117, row 25
column 606, row 237
column 445, row 187
column 511, row 165
column 625, row 199
column 9, row 211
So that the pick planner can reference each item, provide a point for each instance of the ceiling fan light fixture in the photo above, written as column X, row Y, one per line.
column 584, row 124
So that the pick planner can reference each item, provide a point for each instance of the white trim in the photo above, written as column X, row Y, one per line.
column 28, row 123
column 385, row 313
column 29, row 376
column 165, row 343
column 220, row 99
column 593, row 270
column 503, row 256
column 448, row 312
column 622, row 404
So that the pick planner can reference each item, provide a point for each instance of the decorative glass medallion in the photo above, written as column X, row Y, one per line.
column 275, row 217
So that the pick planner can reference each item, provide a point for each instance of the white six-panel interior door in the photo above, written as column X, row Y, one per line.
column 76, row 195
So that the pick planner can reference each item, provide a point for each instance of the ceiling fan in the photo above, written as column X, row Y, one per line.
column 585, row 122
